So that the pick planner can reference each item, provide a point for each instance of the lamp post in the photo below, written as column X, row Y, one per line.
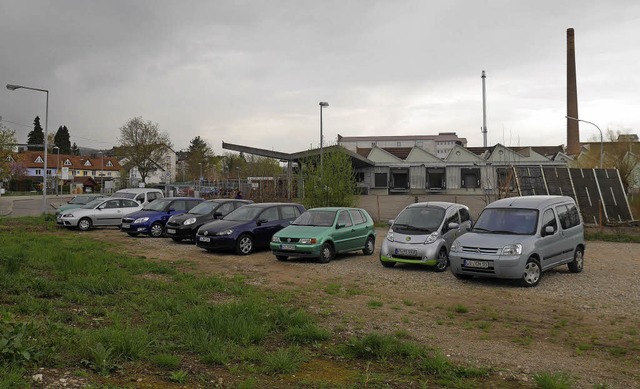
column 57, row 167
column 601, row 140
column 238, row 171
column 101, row 172
column 46, row 144
column 323, row 104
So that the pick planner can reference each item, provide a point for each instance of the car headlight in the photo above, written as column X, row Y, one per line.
column 189, row 221
column 390, row 235
column 67, row 215
column 456, row 247
column 225, row 232
column 432, row 237
column 512, row 249
column 308, row 240
column 140, row 220
column 275, row 239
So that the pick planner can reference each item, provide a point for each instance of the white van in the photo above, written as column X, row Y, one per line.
column 519, row 238
column 142, row 195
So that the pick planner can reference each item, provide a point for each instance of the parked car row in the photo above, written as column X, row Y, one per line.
column 515, row 238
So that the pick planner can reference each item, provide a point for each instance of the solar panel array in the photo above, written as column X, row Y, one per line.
column 599, row 192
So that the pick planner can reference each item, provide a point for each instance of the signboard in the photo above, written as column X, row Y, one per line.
column 65, row 173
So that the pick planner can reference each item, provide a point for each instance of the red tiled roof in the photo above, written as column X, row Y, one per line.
column 28, row 160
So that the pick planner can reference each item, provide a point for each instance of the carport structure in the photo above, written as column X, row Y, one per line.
column 357, row 161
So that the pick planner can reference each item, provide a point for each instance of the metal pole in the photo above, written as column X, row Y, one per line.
column 46, row 142
column 323, row 104
column 601, row 137
column 484, row 111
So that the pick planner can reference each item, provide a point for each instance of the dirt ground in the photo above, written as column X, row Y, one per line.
column 586, row 325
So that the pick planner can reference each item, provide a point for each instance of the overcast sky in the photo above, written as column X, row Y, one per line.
column 253, row 72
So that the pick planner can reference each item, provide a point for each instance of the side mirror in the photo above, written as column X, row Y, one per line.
column 261, row 221
column 453, row 226
column 217, row 214
column 339, row 226
column 171, row 210
column 548, row 230
column 391, row 221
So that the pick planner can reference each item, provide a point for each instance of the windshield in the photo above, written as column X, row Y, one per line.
column 244, row 214
column 93, row 203
column 81, row 199
column 204, row 208
column 125, row 195
column 427, row 219
column 316, row 218
column 508, row 221
column 157, row 205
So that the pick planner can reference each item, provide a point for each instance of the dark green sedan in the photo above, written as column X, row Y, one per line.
column 322, row 233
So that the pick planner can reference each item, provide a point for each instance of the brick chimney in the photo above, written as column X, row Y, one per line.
column 573, row 129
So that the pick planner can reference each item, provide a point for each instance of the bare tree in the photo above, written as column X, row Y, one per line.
column 7, row 139
column 142, row 145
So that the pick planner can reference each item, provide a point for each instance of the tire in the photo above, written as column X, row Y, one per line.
column 369, row 246
column 462, row 276
column 177, row 239
column 156, row 230
column 387, row 264
column 281, row 257
column 84, row 224
column 133, row 233
column 443, row 261
column 577, row 264
column 532, row 273
column 244, row 245
column 326, row 253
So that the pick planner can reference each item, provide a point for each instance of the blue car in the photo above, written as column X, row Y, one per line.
column 248, row 227
column 152, row 218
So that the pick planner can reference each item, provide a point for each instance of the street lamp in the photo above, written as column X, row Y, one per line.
column 101, row 172
column 57, row 167
column 323, row 104
column 46, row 144
column 601, row 141
column 238, row 170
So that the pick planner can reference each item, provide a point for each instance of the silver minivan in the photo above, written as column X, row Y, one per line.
column 422, row 234
column 521, row 237
column 142, row 195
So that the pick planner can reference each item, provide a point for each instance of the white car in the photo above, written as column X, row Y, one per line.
column 102, row 212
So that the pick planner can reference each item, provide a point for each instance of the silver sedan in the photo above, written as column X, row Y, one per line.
column 102, row 212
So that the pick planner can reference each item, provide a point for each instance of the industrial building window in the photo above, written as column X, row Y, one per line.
column 381, row 180
column 470, row 178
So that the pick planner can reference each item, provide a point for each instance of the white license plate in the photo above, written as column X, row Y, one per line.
column 478, row 264
column 406, row 252
column 126, row 225
column 171, row 231
column 287, row 247
column 205, row 239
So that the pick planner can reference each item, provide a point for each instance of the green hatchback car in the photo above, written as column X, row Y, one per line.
column 322, row 233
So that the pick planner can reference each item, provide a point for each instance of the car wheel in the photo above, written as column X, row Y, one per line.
column 443, row 261
column 177, row 239
column 326, row 253
column 462, row 276
column 532, row 273
column 156, row 230
column 281, row 257
column 387, row 263
column 244, row 245
column 577, row 264
column 369, row 246
column 133, row 233
column 84, row 224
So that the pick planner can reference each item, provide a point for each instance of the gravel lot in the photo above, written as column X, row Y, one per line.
column 582, row 324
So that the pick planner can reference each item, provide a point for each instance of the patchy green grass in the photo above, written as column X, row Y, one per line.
column 83, row 306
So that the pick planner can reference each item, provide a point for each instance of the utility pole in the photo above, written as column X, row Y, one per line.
column 484, row 111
